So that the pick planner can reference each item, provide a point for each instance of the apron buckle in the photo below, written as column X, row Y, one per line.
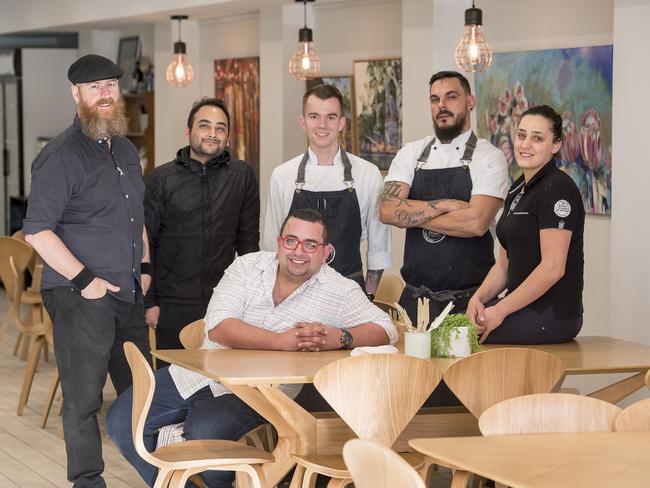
column 299, row 187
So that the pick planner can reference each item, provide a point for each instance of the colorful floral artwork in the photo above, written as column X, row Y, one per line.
column 237, row 82
column 577, row 83
column 344, row 84
column 378, row 104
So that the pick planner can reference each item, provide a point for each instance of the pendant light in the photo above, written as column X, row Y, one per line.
column 179, row 72
column 473, row 52
column 304, row 64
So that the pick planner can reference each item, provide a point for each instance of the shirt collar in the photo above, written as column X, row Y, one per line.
column 313, row 159
column 543, row 171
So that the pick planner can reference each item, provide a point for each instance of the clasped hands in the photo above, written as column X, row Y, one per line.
column 312, row 336
column 485, row 318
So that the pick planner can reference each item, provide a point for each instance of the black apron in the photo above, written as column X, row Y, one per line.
column 343, row 216
column 436, row 265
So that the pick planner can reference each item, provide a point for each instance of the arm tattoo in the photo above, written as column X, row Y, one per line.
column 433, row 203
column 412, row 218
column 391, row 191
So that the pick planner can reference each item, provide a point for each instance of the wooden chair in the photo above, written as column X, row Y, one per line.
column 177, row 462
column 377, row 395
column 544, row 413
column 388, row 292
column 647, row 379
column 23, row 255
column 489, row 377
column 192, row 335
column 262, row 437
column 635, row 418
column 40, row 332
column 373, row 465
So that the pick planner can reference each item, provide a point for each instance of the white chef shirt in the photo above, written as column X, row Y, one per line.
column 488, row 169
column 367, row 183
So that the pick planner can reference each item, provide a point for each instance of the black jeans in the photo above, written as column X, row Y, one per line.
column 88, row 339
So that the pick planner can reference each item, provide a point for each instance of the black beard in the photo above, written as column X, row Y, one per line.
column 447, row 134
column 97, row 127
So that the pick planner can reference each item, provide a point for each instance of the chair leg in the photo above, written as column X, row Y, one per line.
column 179, row 478
column 19, row 341
column 50, row 398
column 5, row 325
column 338, row 483
column 426, row 472
column 255, row 474
column 309, row 479
column 28, row 377
column 298, row 475
column 24, row 347
column 164, row 476
column 460, row 479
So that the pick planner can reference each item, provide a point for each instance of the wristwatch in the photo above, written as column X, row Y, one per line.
column 346, row 339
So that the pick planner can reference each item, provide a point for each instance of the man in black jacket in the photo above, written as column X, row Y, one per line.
column 200, row 209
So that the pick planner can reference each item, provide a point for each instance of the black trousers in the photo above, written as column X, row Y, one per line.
column 173, row 317
column 529, row 326
column 88, row 339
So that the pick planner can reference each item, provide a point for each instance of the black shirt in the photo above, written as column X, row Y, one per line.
column 91, row 196
column 550, row 200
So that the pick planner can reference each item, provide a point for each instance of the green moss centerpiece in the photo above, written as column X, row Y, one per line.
column 455, row 337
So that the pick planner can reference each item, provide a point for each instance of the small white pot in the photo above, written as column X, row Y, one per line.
column 459, row 345
column 418, row 344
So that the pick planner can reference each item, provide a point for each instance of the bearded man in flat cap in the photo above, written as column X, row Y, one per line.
column 85, row 217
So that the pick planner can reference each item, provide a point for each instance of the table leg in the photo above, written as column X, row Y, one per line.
column 460, row 479
column 296, row 427
column 622, row 389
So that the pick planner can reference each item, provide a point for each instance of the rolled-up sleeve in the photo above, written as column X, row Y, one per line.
column 50, row 190
column 358, row 310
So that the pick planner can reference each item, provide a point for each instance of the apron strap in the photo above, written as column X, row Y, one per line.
column 300, row 178
column 347, row 171
column 470, row 145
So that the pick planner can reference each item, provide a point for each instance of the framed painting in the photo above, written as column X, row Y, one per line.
column 237, row 82
column 577, row 83
column 127, row 55
column 347, row 139
column 378, row 106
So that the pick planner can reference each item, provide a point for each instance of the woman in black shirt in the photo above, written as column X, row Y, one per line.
column 541, row 258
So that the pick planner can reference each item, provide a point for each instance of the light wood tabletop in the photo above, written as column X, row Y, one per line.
column 547, row 460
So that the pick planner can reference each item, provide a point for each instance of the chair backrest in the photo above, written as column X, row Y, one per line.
column 489, row 377
column 548, row 413
column 22, row 254
column 377, row 395
column 372, row 465
column 635, row 418
column 647, row 379
column 192, row 334
column 390, row 289
column 143, row 388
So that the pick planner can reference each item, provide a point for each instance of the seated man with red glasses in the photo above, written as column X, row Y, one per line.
column 290, row 300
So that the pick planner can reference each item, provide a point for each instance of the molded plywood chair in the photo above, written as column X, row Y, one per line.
column 373, row 465
column 635, row 418
column 177, row 462
column 647, row 379
column 192, row 335
column 23, row 255
column 388, row 292
column 489, row 377
column 377, row 395
column 549, row 413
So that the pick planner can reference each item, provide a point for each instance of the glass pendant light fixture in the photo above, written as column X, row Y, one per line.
column 179, row 72
column 304, row 64
column 473, row 53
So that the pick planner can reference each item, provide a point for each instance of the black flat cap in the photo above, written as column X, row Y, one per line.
column 93, row 67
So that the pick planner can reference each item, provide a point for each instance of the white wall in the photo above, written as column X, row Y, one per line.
column 47, row 112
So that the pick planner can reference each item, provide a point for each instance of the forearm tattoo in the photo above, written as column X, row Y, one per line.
column 412, row 219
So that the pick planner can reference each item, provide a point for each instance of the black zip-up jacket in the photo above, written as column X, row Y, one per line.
column 197, row 216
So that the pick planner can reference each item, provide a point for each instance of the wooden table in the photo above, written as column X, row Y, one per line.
column 253, row 375
column 547, row 460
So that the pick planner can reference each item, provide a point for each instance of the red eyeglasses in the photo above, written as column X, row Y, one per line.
column 291, row 243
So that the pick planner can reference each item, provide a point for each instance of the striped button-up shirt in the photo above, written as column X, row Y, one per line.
column 245, row 293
